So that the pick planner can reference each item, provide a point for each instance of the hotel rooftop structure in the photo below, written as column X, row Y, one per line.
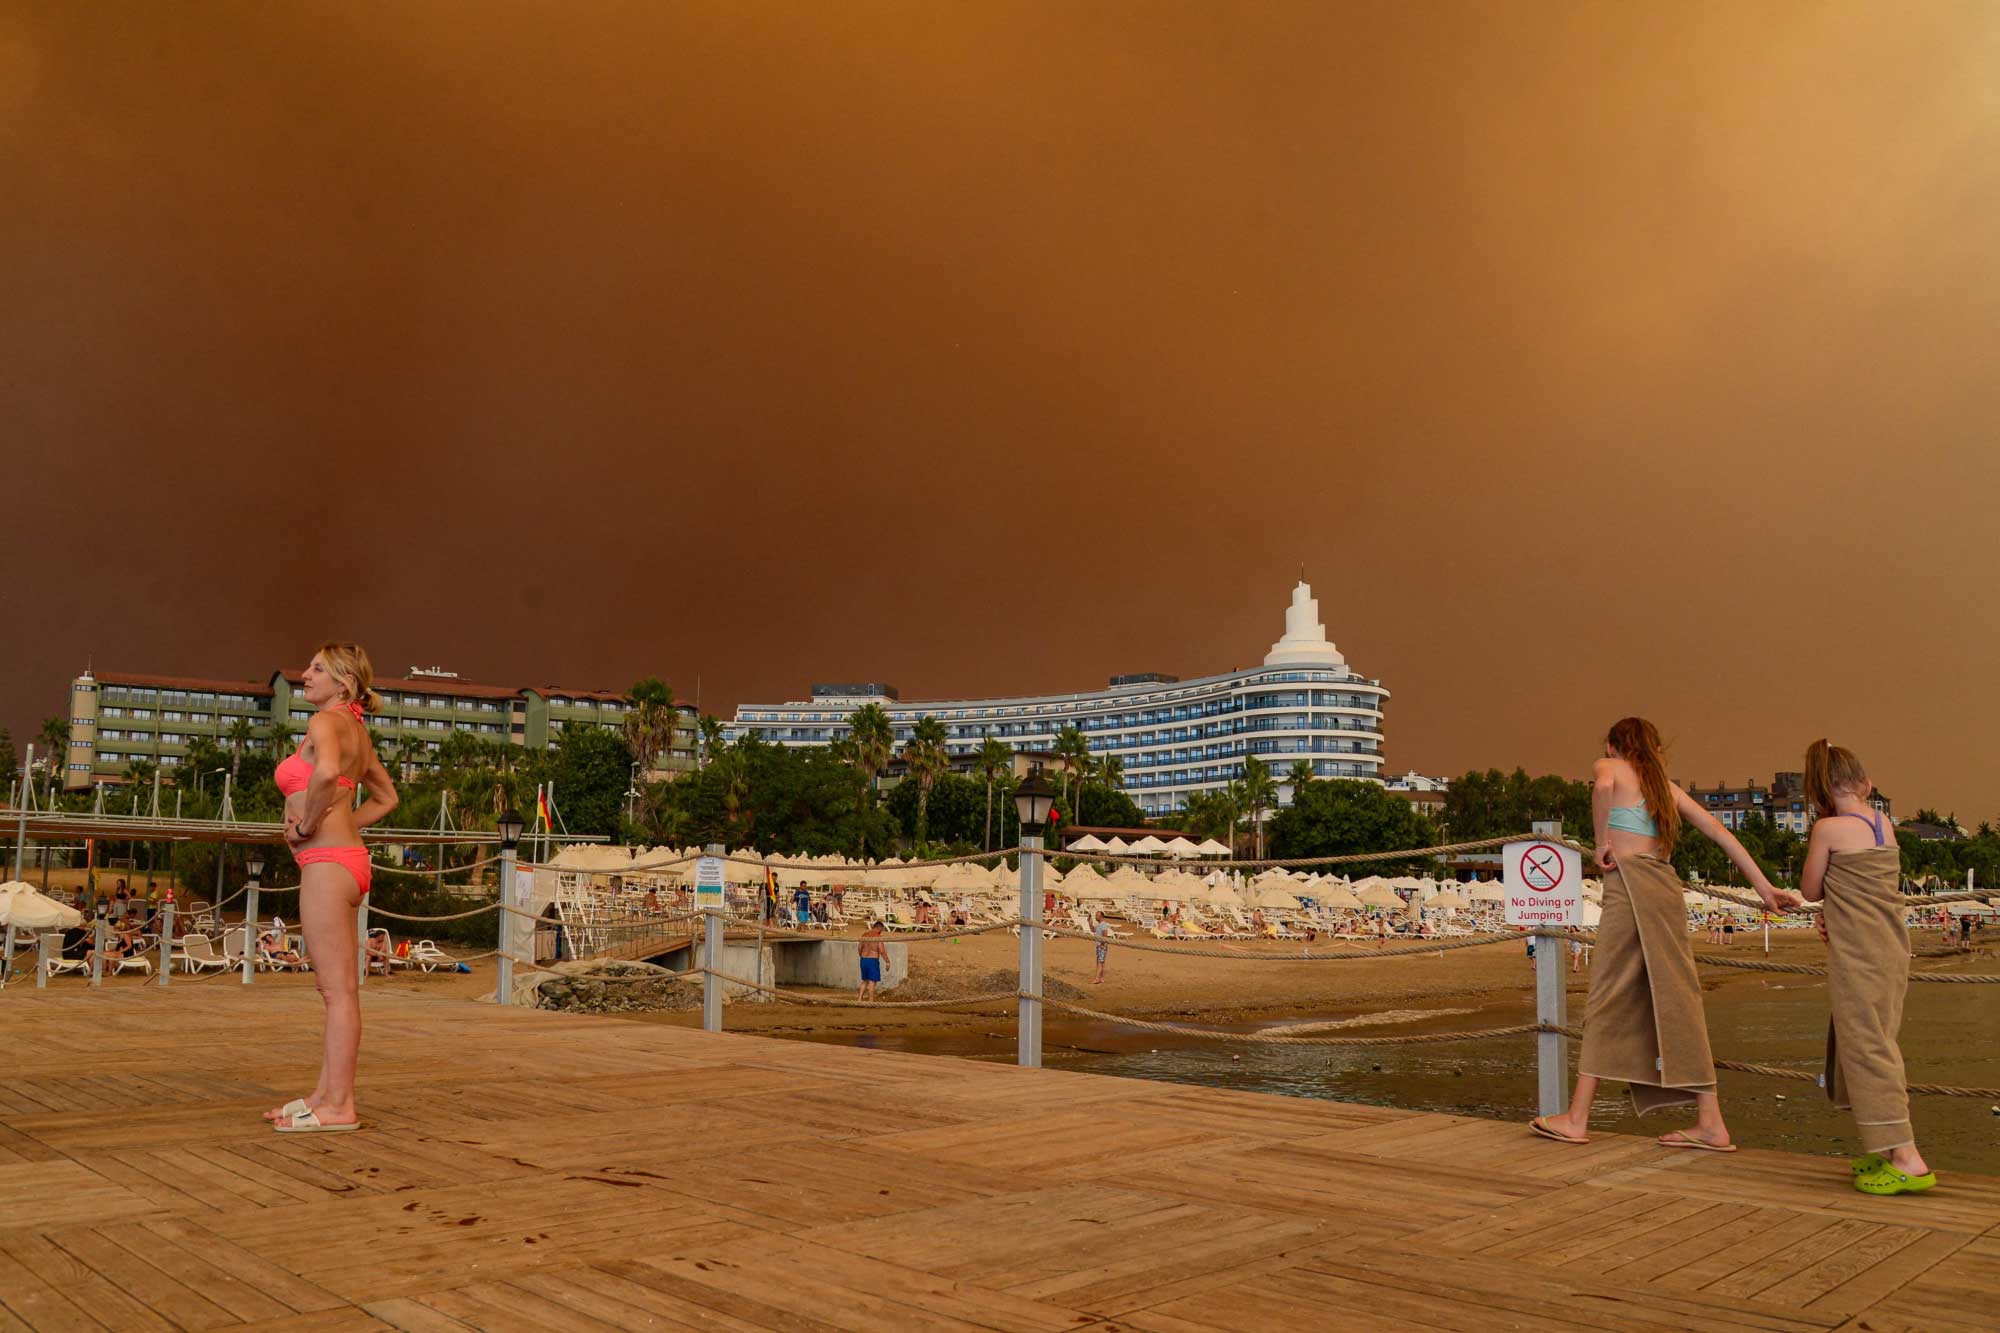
column 1175, row 736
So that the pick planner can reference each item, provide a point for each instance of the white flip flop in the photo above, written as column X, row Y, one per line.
column 307, row 1122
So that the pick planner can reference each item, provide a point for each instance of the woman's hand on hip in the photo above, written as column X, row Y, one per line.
column 1605, row 860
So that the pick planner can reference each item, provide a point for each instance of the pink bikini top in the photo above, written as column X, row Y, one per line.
column 293, row 774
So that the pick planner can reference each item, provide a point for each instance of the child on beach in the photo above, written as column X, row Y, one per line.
column 1101, row 933
column 1644, row 1025
column 1853, row 868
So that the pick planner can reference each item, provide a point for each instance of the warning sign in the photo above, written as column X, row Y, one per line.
column 1544, row 884
column 708, row 883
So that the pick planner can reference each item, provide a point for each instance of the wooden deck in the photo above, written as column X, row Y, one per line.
column 527, row 1170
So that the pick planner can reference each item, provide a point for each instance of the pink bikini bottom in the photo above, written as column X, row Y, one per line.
column 354, row 859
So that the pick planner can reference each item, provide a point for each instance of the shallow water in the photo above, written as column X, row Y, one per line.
column 1951, row 1035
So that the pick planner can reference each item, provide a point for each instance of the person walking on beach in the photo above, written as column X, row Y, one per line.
column 873, row 951
column 323, row 829
column 1100, row 931
column 1853, row 868
column 1644, row 1024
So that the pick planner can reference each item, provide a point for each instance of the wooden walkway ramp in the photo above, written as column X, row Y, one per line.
column 528, row 1170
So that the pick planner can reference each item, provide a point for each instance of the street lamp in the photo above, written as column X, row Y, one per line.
column 510, row 824
column 1033, row 800
column 255, row 865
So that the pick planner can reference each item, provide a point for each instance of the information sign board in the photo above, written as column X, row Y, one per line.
column 708, row 883
column 1544, row 884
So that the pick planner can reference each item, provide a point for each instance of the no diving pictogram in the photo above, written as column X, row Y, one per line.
column 1541, row 867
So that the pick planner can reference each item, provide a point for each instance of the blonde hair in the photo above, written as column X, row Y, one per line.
column 348, row 663
column 1637, row 741
column 1831, row 769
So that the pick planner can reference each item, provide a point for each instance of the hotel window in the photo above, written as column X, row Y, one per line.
column 142, row 712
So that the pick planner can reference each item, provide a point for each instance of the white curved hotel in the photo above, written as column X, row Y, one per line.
column 1174, row 736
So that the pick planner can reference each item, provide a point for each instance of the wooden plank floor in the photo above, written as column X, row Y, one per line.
column 526, row 1170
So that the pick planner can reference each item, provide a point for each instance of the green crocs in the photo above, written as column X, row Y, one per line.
column 1868, row 1161
column 1888, row 1180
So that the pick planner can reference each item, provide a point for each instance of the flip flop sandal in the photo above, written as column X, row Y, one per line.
column 307, row 1122
column 1540, row 1126
column 295, row 1107
column 1868, row 1161
column 1680, row 1138
column 1889, row 1180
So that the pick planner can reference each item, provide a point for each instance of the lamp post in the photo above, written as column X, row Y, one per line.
column 510, row 825
column 631, row 791
column 1032, row 802
column 255, row 865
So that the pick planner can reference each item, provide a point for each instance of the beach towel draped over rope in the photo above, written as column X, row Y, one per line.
column 1645, row 1025
column 1867, row 976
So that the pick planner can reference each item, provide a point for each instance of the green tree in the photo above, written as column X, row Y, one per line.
column 1072, row 750
column 1493, row 804
column 1300, row 776
column 1260, row 792
column 710, row 730
column 1345, row 816
column 10, row 758
column 591, row 768
column 53, row 741
column 650, row 720
column 872, row 740
column 995, row 757
column 927, row 757
column 239, row 734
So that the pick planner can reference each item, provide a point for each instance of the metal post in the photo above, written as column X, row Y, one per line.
column 1552, row 1008
column 361, row 941
column 97, row 955
column 21, row 828
column 167, row 941
column 249, row 930
column 221, row 865
column 42, row 960
column 7, row 963
column 503, row 992
column 1028, row 1027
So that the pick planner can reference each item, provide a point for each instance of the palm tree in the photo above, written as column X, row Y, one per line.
column 279, row 734
column 1260, row 792
column 650, row 721
column 874, row 740
column 927, row 757
column 710, row 728
column 239, row 735
column 995, row 757
column 1074, row 752
column 54, row 739
column 1300, row 777
column 1111, row 772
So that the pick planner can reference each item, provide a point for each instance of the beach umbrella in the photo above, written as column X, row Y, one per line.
column 1447, row 900
column 1180, row 847
column 1222, row 895
column 1089, row 842
column 1118, row 847
column 1592, row 914
column 1210, row 847
column 1270, row 895
column 1179, row 884
column 1341, row 899
column 1127, row 879
column 1097, row 888
column 1147, row 846
column 1379, row 894
column 1275, row 877
column 23, row 906
column 1488, row 892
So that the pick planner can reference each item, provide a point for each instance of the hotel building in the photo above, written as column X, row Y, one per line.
column 117, row 718
column 1175, row 737
column 1784, row 802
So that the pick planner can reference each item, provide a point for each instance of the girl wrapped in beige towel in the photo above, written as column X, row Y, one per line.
column 1644, row 1024
column 1854, row 869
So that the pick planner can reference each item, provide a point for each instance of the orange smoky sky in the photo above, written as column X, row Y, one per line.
column 1592, row 358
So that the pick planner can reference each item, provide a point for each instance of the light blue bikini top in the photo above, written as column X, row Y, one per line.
column 1632, row 819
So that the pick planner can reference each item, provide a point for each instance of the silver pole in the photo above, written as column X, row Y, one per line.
column 361, row 941
column 1028, row 1028
column 7, row 963
column 42, row 960
column 711, row 960
column 503, row 992
column 249, row 930
column 1551, row 1007
column 21, row 829
column 167, row 941
column 97, row 957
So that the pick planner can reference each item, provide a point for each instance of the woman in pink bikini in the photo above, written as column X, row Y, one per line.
column 323, row 828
